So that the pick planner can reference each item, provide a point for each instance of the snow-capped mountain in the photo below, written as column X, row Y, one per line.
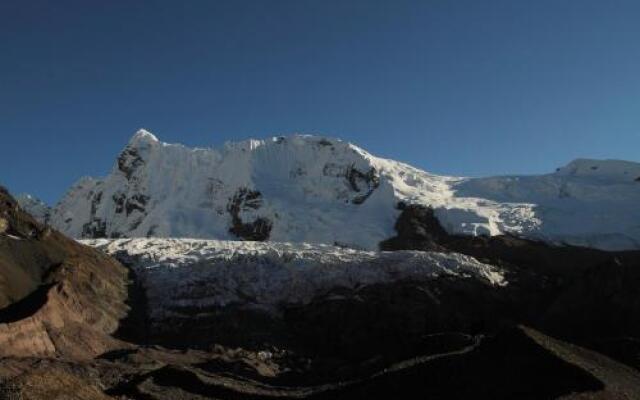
column 320, row 190
column 36, row 207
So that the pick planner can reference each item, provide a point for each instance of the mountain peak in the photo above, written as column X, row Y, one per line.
column 143, row 136
column 609, row 169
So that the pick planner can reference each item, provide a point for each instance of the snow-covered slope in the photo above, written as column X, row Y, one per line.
column 303, row 189
column 320, row 190
column 212, row 273
column 593, row 203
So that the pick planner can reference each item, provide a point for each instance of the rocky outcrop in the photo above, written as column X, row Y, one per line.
column 129, row 160
column 96, row 227
column 417, row 229
column 247, row 200
column 362, row 182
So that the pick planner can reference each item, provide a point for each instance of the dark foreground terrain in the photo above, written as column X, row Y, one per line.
column 73, row 325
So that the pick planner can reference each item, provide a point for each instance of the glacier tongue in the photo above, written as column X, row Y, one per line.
column 213, row 273
column 313, row 189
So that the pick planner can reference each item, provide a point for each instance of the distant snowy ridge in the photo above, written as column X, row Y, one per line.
column 36, row 207
column 212, row 273
column 322, row 190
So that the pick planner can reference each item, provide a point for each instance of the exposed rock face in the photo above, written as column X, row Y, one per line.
column 58, row 297
column 417, row 229
column 365, row 182
column 244, row 200
column 129, row 160
column 96, row 227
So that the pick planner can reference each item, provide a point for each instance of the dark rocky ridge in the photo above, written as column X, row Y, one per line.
column 247, row 199
column 583, row 295
column 129, row 160
column 360, row 181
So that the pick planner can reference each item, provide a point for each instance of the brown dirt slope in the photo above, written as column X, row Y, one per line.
column 57, row 297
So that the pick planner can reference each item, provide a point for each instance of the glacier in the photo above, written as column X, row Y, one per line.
column 266, row 275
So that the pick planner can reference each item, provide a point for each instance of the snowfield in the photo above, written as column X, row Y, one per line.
column 264, row 275
column 310, row 189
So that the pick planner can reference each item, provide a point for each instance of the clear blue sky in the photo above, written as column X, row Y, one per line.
column 459, row 87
